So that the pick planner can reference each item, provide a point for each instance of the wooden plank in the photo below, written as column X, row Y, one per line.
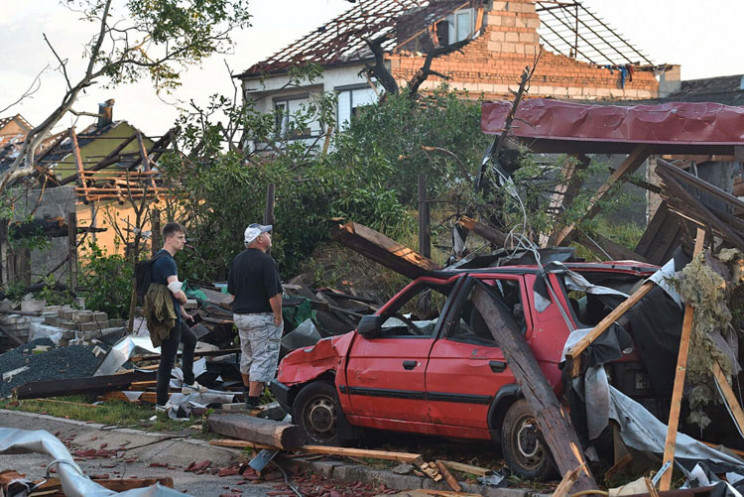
column 491, row 234
column 652, row 492
column 679, row 383
column 573, row 354
column 262, row 431
column 467, row 468
column 566, row 483
column 629, row 165
column 554, row 422
column 116, row 484
column 75, row 386
column 661, row 235
column 448, row 476
column 383, row 250
column 406, row 457
column 198, row 353
column 238, row 444
column 728, row 396
column 78, row 162
column 568, row 188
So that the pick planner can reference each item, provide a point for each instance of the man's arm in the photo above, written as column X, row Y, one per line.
column 179, row 296
column 276, row 307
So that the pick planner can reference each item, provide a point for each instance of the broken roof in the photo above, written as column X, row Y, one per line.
column 567, row 28
column 728, row 90
column 675, row 127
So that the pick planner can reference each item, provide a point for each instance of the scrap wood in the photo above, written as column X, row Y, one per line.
column 554, row 423
column 679, row 382
column 406, row 457
column 74, row 386
column 491, row 234
column 572, row 356
column 148, row 397
column 430, row 470
column 263, row 431
column 448, row 476
column 728, row 396
column 238, row 444
column 567, row 482
column 618, row 466
column 467, row 468
column 197, row 353
column 381, row 249
column 650, row 486
column 438, row 493
column 53, row 488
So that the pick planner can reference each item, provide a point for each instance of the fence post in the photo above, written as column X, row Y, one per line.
column 423, row 208
column 72, row 248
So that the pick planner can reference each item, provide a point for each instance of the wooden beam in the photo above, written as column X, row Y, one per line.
column 74, row 386
column 78, row 162
column 569, row 187
column 491, row 234
column 383, row 250
column 467, row 468
column 238, row 444
column 566, row 483
column 679, row 383
column 553, row 421
column 111, row 158
column 629, row 165
column 451, row 481
column 572, row 356
column 258, row 430
column 728, row 396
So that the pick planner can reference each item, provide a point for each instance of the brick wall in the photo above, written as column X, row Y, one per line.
column 494, row 62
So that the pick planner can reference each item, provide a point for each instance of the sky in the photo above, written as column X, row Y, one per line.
column 704, row 37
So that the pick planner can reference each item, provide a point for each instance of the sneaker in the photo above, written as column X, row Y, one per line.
column 159, row 409
column 193, row 388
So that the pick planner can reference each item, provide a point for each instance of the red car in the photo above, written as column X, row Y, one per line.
column 427, row 363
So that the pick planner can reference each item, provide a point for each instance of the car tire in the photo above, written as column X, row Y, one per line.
column 316, row 411
column 523, row 447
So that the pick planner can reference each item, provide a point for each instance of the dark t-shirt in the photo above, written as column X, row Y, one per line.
column 164, row 267
column 253, row 280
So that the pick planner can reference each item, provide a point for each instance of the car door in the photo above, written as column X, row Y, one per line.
column 466, row 366
column 385, row 378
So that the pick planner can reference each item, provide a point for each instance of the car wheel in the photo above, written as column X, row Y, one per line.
column 524, row 450
column 315, row 411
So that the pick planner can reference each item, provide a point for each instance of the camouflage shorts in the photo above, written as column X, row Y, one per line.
column 259, row 341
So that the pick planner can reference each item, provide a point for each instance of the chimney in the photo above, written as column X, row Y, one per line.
column 106, row 113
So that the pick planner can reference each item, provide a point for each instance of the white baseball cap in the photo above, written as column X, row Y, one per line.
column 252, row 232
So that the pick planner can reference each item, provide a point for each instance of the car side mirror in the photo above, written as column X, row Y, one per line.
column 370, row 325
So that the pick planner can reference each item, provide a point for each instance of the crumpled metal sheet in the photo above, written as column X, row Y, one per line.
column 122, row 351
column 73, row 480
column 680, row 123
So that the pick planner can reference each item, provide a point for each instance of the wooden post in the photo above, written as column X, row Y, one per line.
column 72, row 248
column 553, row 421
column 679, row 383
column 155, row 242
column 269, row 211
column 4, row 253
column 423, row 211
column 728, row 396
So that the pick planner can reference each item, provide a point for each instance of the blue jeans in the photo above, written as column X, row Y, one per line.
column 168, row 352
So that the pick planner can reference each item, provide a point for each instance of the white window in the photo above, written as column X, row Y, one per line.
column 286, row 108
column 349, row 100
column 461, row 26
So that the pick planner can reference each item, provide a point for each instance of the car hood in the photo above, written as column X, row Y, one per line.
column 306, row 363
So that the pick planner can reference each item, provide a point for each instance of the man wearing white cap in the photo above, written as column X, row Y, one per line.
column 257, row 311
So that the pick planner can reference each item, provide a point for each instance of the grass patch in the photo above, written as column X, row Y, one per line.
column 111, row 413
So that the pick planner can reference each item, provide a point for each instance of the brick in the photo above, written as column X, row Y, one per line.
column 511, row 37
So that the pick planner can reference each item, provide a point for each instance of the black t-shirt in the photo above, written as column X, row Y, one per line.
column 253, row 280
column 163, row 268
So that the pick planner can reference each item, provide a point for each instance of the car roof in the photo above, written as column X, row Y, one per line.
column 617, row 267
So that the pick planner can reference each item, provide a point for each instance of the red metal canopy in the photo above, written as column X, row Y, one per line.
column 675, row 127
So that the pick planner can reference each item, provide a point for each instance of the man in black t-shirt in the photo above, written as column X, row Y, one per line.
column 165, row 272
column 257, row 311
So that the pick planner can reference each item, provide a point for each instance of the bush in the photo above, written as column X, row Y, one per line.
column 106, row 281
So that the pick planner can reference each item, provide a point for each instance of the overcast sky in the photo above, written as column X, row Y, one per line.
column 704, row 37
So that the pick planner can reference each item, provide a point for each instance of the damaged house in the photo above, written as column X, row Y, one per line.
column 88, row 178
column 474, row 46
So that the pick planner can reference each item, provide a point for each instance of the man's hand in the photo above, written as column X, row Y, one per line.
column 277, row 320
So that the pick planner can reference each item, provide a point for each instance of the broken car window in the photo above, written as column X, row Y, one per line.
column 416, row 314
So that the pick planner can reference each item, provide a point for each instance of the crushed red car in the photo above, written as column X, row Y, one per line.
column 427, row 362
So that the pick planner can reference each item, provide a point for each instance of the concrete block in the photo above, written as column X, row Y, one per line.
column 100, row 316
column 117, row 323
column 66, row 313
column 30, row 304
column 69, row 335
column 6, row 305
column 68, row 325
column 83, row 316
column 51, row 320
column 89, row 326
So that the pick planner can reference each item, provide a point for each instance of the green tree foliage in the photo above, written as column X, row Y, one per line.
column 106, row 281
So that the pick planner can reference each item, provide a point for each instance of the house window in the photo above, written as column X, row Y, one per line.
column 349, row 101
column 284, row 110
column 457, row 27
